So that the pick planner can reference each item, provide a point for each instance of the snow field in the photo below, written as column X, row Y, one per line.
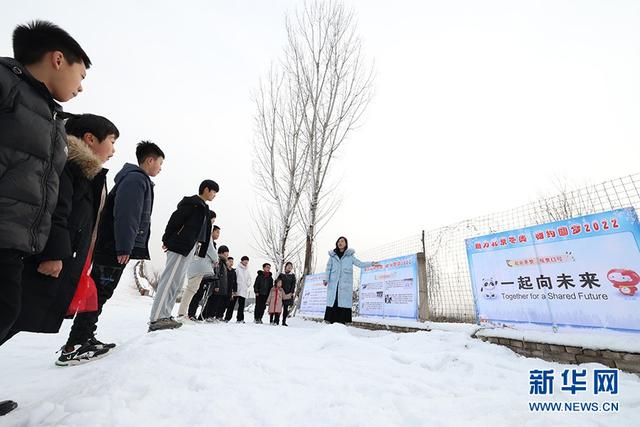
column 309, row 374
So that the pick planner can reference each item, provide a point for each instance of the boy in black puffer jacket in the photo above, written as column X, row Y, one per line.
column 49, row 66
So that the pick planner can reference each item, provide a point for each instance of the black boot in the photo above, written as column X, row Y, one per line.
column 7, row 406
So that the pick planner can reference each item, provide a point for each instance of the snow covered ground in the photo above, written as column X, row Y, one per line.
column 309, row 374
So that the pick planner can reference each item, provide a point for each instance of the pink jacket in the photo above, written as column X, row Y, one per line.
column 275, row 300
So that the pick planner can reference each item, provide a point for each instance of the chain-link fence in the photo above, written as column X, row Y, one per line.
column 448, row 282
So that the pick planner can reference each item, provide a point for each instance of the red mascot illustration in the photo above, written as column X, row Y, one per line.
column 625, row 280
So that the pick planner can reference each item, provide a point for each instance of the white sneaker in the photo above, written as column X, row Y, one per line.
column 184, row 319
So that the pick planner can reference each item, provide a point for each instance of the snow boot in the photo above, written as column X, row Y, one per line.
column 7, row 406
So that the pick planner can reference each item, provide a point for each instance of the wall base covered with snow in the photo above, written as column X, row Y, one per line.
column 624, row 360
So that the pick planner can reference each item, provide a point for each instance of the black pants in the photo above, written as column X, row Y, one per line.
column 209, row 309
column 337, row 314
column 85, row 324
column 195, row 301
column 215, row 307
column 285, row 313
column 261, row 305
column 274, row 318
column 221, row 304
column 10, row 290
column 232, row 306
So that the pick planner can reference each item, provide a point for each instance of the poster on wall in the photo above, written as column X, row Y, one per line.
column 390, row 289
column 314, row 294
column 578, row 273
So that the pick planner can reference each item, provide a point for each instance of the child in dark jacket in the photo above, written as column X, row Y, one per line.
column 189, row 225
column 217, row 295
column 50, row 279
column 34, row 150
column 275, row 302
column 123, row 234
column 289, row 287
column 261, row 288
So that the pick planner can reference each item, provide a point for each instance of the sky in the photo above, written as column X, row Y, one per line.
column 478, row 106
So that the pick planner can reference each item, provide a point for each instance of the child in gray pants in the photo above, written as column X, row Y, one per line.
column 188, row 232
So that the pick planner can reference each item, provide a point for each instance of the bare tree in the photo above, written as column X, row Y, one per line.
column 325, row 62
column 306, row 108
column 280, row 167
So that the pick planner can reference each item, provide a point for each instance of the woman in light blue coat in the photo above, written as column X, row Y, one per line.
column 340, row 282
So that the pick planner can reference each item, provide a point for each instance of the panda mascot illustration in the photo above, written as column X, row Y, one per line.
column 626, row 281
column 488, row 288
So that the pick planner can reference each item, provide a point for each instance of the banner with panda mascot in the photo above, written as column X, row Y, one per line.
column 567, row 275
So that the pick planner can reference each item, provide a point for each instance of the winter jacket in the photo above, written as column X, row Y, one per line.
column 125, row 227
column 221, row 281
column 184, row 228
column 243, row 280
column 203, row 266
column 263, row 284
column 340, row 277
column 275, row 300
column 33, row 152
column 288, row 286
column 45, row 299
column 232, row 280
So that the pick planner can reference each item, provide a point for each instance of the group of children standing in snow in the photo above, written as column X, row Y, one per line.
column 61, row 231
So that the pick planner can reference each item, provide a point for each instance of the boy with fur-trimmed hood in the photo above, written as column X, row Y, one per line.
column 124, row 232
column 50, row 279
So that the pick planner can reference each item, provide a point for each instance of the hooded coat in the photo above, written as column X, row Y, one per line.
column 185, row 227
column 45, row 299
column 340, row 277
column 243, row 279
column 125, row 227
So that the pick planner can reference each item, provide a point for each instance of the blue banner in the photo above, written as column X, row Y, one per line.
column 581, row 272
